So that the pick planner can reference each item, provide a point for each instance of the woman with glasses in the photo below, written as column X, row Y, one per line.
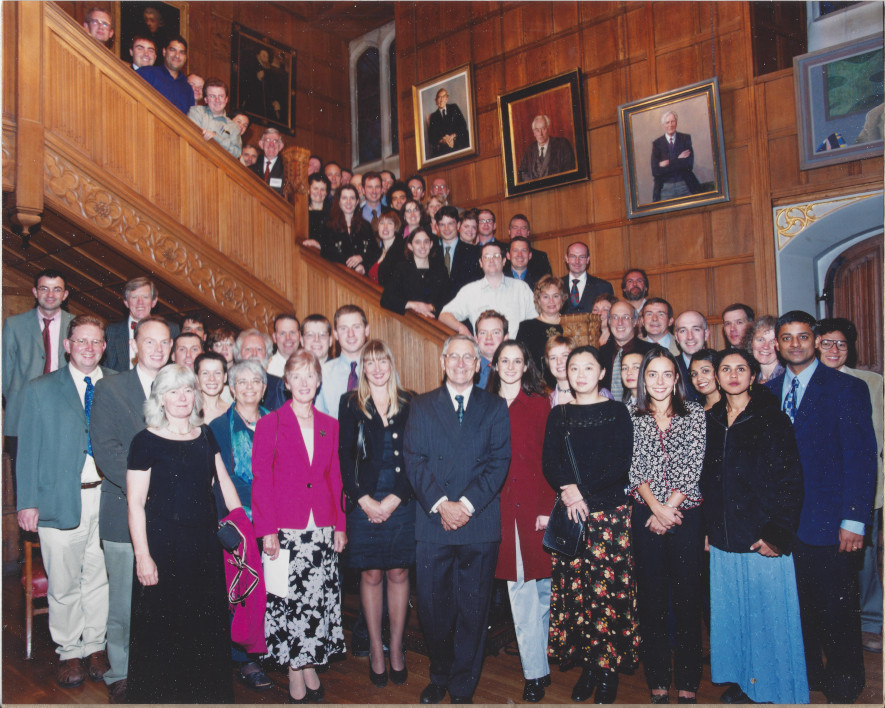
column 414, row 218
column 179, row 647
column 381, row 521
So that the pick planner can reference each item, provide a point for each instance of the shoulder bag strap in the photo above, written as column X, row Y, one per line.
column 568, row 446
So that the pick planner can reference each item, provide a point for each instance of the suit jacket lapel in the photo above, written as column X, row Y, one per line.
column 809, row 398
column 446, row 412
column 70, row 395
column 473, row 413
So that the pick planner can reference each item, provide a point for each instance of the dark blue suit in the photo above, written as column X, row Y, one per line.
column 455, row 569
column 837, row 448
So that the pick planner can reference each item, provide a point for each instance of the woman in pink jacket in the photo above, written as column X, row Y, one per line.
column 295, row 508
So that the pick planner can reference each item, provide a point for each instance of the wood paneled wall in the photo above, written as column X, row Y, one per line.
column 700, row 259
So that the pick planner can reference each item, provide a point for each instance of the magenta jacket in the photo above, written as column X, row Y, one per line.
column 247, row 625
column 285, row 484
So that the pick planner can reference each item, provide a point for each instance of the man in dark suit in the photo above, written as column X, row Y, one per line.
column 27, row 338
column 582, row 287
column 270, row 167
column 457, row 450
column 672, row 161
column 692, row 332
column 58, row 497
column 460, row 259
column 538, row 264
column 622, row 322
column 547, row 156
column 117, row 416
column 447, row 129
column 255, row 345
column 831, row 416
column 140, row 297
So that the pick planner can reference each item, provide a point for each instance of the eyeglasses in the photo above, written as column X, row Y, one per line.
column 247, row 382
column 466, row 358
column 840, row 344
column 486, row 221
column 82, row 342
column 55, row 291
column 100, row 23
column 492, row 257
column 620, row 318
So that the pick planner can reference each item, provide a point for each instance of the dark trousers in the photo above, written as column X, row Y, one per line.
column 829, row 604
column 454, row 594
column 669, row 568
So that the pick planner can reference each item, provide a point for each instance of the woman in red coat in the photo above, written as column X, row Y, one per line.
column 526, row 500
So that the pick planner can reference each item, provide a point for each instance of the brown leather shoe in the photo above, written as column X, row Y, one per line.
column 117, row 692
column 97, row 665
column 70, row 673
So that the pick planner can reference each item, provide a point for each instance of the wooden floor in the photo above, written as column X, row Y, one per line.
column 30, row 682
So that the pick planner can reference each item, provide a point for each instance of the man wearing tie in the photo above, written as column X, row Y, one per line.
column 117, row 415
column 270, row 168
column 457, row 451
column 582, row 287
column 831, row 416
column 548, row 155
column 447, row 129
column 32, row 345
column 58, row 497
column 140, row 297
column 672, row 161
column 340, row 375
column 460, row 259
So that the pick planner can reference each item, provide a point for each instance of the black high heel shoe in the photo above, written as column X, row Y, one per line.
column 399, row 677
column 584, row 687
column 607, row 691
column 379, row 680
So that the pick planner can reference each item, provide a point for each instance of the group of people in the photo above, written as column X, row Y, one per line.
column 766, row 450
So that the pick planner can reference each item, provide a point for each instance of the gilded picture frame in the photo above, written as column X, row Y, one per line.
column 448, row 132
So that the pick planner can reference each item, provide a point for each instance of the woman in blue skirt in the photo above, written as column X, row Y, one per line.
column 752, row 488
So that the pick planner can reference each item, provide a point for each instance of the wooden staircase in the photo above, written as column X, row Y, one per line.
column 91, row 150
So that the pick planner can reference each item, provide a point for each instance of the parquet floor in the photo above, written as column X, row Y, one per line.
column 346, row 682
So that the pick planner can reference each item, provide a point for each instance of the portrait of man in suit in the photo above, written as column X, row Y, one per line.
column 446, row 128
column 548, row 155
column 457, row 452
column 672, row 162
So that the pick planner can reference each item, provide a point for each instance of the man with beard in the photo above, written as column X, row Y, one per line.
column 634, row 287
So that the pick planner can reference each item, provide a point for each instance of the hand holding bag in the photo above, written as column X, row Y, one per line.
column 563, row 535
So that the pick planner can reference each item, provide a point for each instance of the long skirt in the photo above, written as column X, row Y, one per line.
column 304, row 628
column 755, row 630
column 593, row 597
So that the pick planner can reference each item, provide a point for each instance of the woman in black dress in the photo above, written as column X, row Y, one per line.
column 318, row 186
column 381, row 522
column 391, row 248
column 348, row 238
column 592, row 599
column 550, row 295
column 179, row 646
column 420, row 283
column 669, row 435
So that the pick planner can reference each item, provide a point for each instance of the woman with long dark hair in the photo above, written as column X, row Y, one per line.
column 702, row 372
column 526, row 500
column 669, row 435
column 418, row 283
column 348, row 238
column 592, row 600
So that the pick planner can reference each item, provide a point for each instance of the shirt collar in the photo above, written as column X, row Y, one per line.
column 804, row 376
column 453, row 393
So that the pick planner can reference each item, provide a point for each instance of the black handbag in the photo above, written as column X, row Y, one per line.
column 563, row 535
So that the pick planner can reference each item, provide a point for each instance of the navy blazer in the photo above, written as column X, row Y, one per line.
column 275, row 172
column 837, row 447
column 470, row 459
column 465, row 266
column 594, row 287
column 276, row 394
column 538, row 267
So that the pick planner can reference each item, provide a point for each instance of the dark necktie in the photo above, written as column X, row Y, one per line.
column 574, row 297
column 374, row 219
column 267, row 171
column 47, row 346
column 87, row 400
column 617, row 387
column 672, row 148
column 448, row 259
column 543, row 148
column 790, row 400
column 351, row 379
column 443, row 111
column 460, row 411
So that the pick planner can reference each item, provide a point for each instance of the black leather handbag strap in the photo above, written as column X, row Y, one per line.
column 568, row 446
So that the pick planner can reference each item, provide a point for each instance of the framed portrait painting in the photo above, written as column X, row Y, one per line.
column 542, row 135
column 840, row 103
column 157, row 21
column 262, row 79
column 673, row 150
column 445, row 117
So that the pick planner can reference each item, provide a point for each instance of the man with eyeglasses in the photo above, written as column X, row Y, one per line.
column 58, row 497
column 99, row 25
column 656, row 318
column 582, row 287
column 837, row 348
column 32, row 345
column 270, row 168
column 622, row 320
column 511, row 297
column 169, row 78
column 831, row 416
column 457, row 452
column 212, row 118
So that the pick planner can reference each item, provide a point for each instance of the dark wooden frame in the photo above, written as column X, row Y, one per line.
column 459, row 84
column 516, row 111
column 245, row 86
column 639, row 125
column 127, row 26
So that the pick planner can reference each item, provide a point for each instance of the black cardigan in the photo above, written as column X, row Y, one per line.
column 338, row 246
column 408, row 283
column 752, row 477
column 349, row 418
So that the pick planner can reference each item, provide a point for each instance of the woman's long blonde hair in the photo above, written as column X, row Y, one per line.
column 376, row 349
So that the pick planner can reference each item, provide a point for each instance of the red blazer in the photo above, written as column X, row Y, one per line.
column 286, row 485
column 526, row 494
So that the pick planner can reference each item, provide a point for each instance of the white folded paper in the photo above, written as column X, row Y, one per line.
column 276, row 573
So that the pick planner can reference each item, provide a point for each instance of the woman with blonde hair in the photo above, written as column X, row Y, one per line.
column 550, row 295
column 377, row 493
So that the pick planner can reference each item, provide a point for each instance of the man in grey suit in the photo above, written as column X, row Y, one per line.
column 58, row 497
column 457, row 452
column 140, row 297
column 117, row 415
column 26, row 340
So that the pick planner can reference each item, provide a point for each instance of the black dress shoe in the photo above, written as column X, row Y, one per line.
column 315, row 695
column 379, row 680
column 533, row 691
column 434, row 693
column 298, row 700
column 660, row 698
column 735, row 694
column 584, row 687
column 399, row 677
column 462, row 699
column 545, row 680
column 607, row 691
column 687, row 700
